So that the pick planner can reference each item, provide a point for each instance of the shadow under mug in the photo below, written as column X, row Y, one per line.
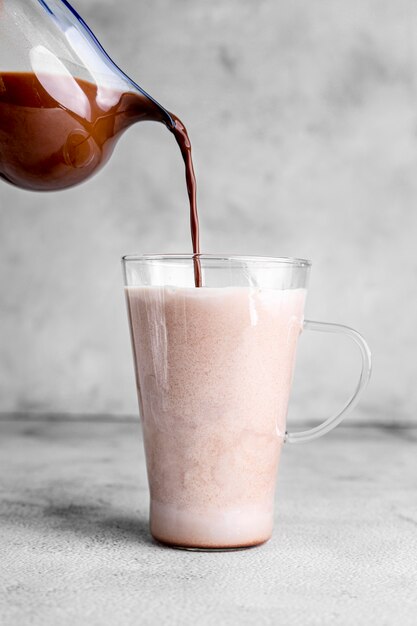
column 214, row 367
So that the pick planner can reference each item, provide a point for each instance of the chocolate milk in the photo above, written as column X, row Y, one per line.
column 213, row 369
column 56, row 131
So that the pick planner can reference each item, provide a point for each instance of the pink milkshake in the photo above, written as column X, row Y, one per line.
column 214, row 368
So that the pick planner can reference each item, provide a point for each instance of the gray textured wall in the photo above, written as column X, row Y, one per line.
column 303, row 116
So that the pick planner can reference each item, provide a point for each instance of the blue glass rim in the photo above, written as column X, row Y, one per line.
column 84, row 26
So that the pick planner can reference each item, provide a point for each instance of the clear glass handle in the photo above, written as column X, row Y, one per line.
column 331, row 422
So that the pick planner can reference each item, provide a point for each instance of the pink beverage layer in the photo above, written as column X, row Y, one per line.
column 214, row 368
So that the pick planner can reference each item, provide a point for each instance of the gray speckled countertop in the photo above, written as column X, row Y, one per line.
column 75, row 549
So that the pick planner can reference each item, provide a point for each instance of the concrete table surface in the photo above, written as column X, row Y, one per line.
column 74, row 545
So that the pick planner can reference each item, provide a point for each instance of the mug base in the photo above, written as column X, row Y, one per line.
column 211, row 529
column 236, row 548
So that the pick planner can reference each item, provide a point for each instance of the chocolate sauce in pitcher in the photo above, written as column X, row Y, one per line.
column 56, row 131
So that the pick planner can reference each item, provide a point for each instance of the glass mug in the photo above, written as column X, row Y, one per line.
column 214, row 368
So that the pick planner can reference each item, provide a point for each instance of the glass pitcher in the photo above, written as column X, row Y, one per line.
column 63, row 102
